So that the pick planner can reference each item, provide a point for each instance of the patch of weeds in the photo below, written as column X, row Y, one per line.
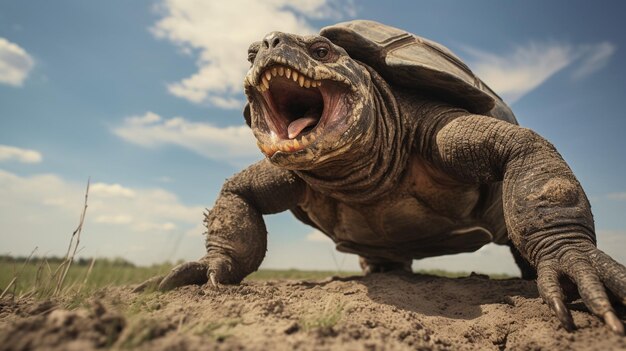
column 147, row 302
column 324, row 319
column 75, row 299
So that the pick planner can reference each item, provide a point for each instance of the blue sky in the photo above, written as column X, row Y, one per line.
column 145, row 97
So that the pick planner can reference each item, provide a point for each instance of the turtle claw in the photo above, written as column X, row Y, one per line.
column 592, row 271
column 614, row 323
column 562, row 313
column 150, row 284
column 214, row 281
column 190, row 273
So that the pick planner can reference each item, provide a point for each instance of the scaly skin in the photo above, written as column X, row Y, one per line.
column 547, row 213
column 362, row 156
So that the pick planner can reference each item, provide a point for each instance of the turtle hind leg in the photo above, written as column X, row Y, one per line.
column 528, row 272
column 377, row 265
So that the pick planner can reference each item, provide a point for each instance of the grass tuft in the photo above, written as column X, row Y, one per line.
column 37, row 277
column 324, row 319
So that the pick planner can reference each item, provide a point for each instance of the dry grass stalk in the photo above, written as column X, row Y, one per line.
column 87, row 275
column 8, row 286
column 67, row 263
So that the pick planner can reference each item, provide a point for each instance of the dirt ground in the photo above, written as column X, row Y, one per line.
column 377, row 312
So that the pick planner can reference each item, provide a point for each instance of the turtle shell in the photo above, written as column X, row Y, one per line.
column 414, row 62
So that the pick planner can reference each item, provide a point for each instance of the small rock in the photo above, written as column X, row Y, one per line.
column 292, row 328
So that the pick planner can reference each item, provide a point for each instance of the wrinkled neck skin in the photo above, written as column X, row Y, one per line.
column 372, row 164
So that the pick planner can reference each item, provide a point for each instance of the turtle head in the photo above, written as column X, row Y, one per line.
column 308, row 101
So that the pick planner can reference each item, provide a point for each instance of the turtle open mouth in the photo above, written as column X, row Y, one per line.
column 296, row 107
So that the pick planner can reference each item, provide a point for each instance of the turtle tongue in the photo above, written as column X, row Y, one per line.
column 299, row 124
column 310, row 118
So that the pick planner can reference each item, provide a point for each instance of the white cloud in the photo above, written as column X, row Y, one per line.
column 595, row 57
column 110, row 190
column 148, row 118
column 153, row 226
column 518, row 72
column 219, row 33
column 310, row 250
column 197, row 231
column 318, row 236
column 43, row 210
column 514, row 74
column 316, row 251
column 233, row 144
column 490, row 258
column 15, row 63
column 114, row 219
column 493, row 258
column 12, row 153
column 617, row 196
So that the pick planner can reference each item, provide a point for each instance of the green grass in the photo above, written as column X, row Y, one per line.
column 324, row 319
column 37, row 277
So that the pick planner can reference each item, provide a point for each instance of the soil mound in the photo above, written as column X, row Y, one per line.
column 377, row 312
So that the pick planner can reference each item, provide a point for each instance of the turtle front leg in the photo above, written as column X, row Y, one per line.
column 236, row 237
column 236, row 241
column 547, row 213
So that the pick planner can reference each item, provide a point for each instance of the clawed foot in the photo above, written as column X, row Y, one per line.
column 370, row 266
column 591, row 270
column 190, row 273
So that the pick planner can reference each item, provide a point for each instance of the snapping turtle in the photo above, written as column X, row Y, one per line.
column 390, row 145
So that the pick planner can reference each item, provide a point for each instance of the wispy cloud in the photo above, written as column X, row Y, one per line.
column 15, row 63
column 617, row 196
column 41, row 210
column 204, row 29
column 111, row 190
column 114, row 219
column 12, row 153
column 318, row 236
column 490, row 258
column 513, row 74
column 313, row 251
column 233, row 144
column 594, row 58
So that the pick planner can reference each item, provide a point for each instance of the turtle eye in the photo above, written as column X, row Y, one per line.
column 320, row 51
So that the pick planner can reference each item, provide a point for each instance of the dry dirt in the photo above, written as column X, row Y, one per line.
column 377, row 312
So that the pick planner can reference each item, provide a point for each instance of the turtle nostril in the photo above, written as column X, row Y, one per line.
column 272, row 40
